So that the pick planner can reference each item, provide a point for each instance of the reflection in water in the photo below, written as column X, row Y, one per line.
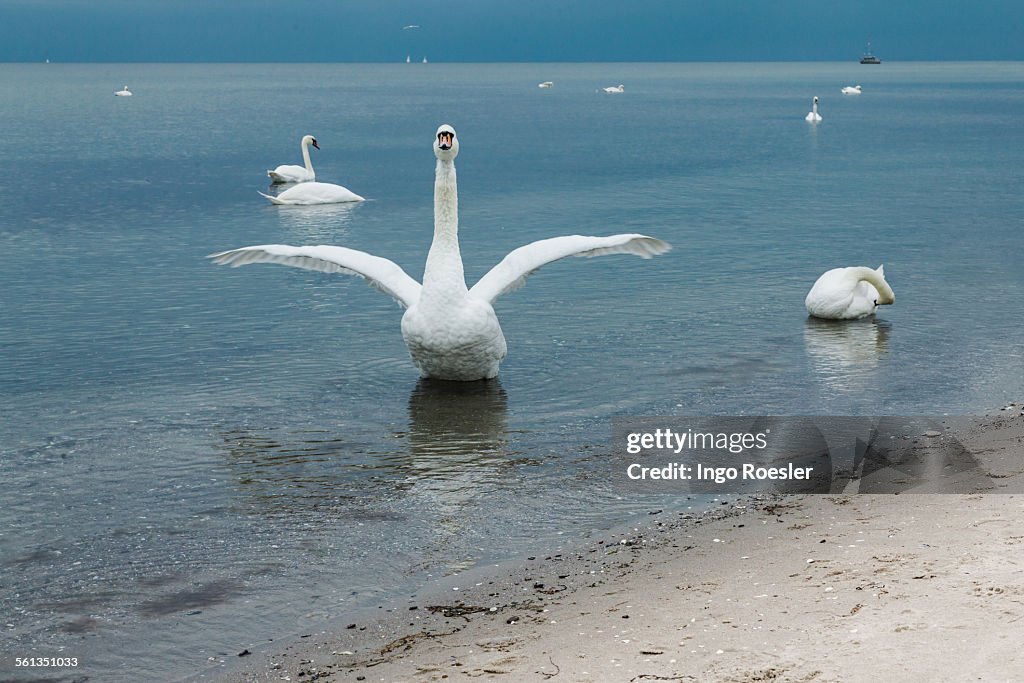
column 457, row 457
column 845, row 353
column 456, row 422
column 316, row 224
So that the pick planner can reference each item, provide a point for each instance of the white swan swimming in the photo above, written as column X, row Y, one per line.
column 851, row 90
column 849, row 293
column 306, row 194
column 124, row 93
column 289, row 173
column 615, row 88
column 813, row 116
column 546, row 84
column 452, row 332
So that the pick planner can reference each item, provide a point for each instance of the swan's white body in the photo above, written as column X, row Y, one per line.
column 546, row 84
column 451, row 331
column 310, row 193
column 813, row 116
column 124, row 93
column 849, row 293
column 289, row 173
column 851, row 90
column 615, row 88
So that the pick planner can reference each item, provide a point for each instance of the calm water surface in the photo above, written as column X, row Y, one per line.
column 194, row 458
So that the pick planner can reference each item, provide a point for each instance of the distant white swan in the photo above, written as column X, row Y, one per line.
column 313, row 192
column 813, row 116
column 289, row 173
column 615, row 88
column 124, row 93
column 546, row 84
column 851, row 90
column 849, row 293
column 452, row 332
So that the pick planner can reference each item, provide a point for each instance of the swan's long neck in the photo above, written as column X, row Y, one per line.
column 305, row 156
column 875, row 279
column 444, row 271
column 814, row 106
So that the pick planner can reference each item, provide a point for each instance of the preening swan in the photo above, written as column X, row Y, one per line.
column 615, row 88
column 849, row 293
column 124, row 93
column 452, row 332
column 289, row 173
column 851, row 90
column 313, row 192
column 813, row 116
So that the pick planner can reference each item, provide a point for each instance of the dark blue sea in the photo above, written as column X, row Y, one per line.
column 194, row 458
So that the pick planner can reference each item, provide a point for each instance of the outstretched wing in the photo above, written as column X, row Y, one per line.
column 513, row 270
column 381, row 273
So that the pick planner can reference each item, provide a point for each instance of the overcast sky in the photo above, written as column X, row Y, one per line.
column 507, row 30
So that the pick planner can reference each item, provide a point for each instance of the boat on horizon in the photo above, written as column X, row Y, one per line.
column 869, row 58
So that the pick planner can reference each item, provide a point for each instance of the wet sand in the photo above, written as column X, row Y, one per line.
column 850, row 587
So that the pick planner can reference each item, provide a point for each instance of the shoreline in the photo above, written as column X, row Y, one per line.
column 822, row 587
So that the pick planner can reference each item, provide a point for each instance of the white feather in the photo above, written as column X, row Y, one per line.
column 385, row 275
column 511, row 273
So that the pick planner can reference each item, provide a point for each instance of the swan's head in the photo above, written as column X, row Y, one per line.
column 885, row 294
column 309, row 140
column 446, row 145
column 815, row 99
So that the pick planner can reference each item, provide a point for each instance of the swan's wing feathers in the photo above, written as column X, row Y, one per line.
column 511, row 273
column 381, row 273
column 272, row 198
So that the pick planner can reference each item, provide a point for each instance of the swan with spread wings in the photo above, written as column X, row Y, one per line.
column 451, row 331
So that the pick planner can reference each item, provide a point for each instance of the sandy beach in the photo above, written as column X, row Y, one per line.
column 851, row 587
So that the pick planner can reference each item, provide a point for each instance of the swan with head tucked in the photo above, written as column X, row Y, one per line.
column 451, row 331
column 289, row 173
column 615, row 89
column 851, row 90
column 849, row 293
column 307, row 194
column 124, row 93
column 813, row 116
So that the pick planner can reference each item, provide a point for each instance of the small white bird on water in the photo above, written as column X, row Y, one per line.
column 546, row 84
column 289, row 173
column 615, row 88
column 813, row 116
column 849, row 293
column 124, row 93
column 451, row 331
column 851, row 90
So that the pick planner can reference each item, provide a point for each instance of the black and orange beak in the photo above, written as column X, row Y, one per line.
column 316, row 145
column 445, row 139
